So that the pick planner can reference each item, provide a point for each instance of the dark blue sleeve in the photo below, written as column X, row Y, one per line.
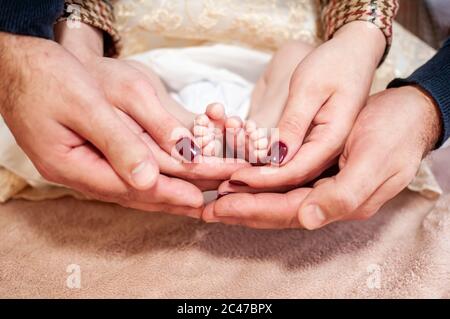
column 30, row 17
column 434, row 78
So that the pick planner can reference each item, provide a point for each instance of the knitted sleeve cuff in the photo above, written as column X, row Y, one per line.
column 30, row 17
column 381, row 13
column 96, row 13
column 434, row 78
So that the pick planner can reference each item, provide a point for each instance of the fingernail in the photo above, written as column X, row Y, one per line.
column 220, row 195
column 313, row 217
column 187, row 148
column 194, row 215
column 277, row 152
column 260, row 163
column 143, row 175
column 212, row 221
column 237, row 183
column 209, row 216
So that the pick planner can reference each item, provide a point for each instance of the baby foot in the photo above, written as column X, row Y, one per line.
column 208, row 129
column 247, row 140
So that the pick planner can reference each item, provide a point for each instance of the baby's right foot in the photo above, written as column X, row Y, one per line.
column 247, row 140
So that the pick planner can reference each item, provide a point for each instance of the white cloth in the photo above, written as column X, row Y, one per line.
column 198, row 76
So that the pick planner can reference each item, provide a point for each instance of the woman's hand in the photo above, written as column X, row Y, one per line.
column 327, row 91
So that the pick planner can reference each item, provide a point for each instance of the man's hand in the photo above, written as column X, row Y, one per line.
column 128, row 88
column 381, row 157
column 52, row 106
column 392, row 134
column 327, row 91
column 63, row 122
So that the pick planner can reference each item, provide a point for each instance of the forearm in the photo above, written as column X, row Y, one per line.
column 15, row 57
column 30, row 17
column 433, row 78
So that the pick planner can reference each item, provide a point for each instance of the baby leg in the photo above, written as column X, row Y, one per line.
column 272, row 90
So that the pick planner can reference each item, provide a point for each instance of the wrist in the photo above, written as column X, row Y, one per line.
column 365, row 38
column 430, row 115
column 84, row 42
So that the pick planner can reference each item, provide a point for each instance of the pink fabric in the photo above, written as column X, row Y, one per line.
column 404, row 251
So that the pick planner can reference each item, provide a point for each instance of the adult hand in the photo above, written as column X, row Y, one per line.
column 129, row 89
column 62, row 121
column 327, row 91
column 396, row 129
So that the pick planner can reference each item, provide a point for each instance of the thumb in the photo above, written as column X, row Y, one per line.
column 337, row 197
column 130, row 157
column 301, row 108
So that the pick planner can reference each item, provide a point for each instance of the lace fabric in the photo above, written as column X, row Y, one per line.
column 263, row 24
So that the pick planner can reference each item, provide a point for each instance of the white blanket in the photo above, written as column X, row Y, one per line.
column 198, row 76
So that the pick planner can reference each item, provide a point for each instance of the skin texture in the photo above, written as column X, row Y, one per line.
column 129, row 89
column 65, row 137
column 62, row 119
column 327, row 91
column 392, row 134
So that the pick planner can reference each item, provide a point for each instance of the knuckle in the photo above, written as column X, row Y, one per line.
column 345, row 202
column 292, row 125
column 333, row 143
column 346, row 205
column 141, row 87
column 159, row 130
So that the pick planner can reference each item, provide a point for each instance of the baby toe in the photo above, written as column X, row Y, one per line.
column 233, row 122
column 212, row 148
column 261, row 144
column 215, row 111
column 202, row 141
column 200, row 130
column 257, row 134
column 202, row 119
column 250, row 126
column 258, row 156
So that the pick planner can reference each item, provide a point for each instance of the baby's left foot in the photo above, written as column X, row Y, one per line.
column 247, row 140
column 209, row 128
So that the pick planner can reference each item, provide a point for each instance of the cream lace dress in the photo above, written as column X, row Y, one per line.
column 260, row 24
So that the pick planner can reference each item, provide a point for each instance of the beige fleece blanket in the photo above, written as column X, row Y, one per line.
column 70, row 248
